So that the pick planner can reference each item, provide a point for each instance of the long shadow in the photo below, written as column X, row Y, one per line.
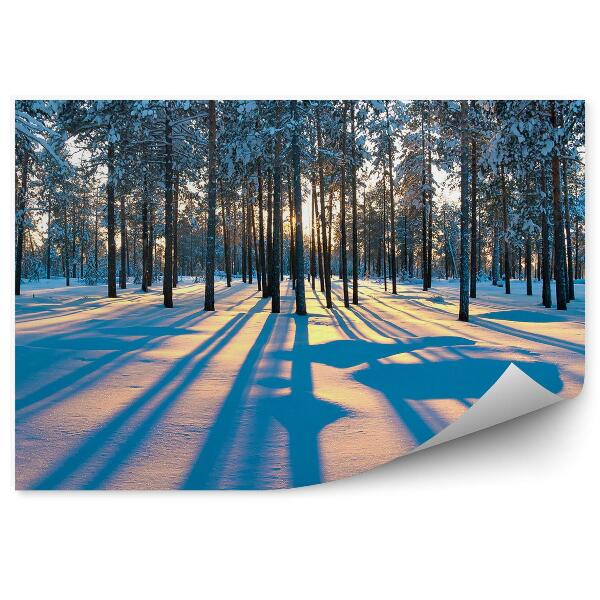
column 461, row 379
column 136, row 437
column 533, row 337
column 523, row 316
column 303, row 415
column 61, row 388
column 97, row 440
column 343, row 354
column 120, row 352
column 205, row 471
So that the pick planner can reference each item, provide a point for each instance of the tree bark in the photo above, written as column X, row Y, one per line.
column 355, row 259
column 546, row 265
column 145, row 234
column 123, row 245
column 110, row 209
column 22, row 197
column 343, row 240
column 168, row 258
column 175, row 228
column 276, row 246
column 463, row 314
column 261, row 232
column 300, row 297
column 559, row 229
column 209, row 291
column 392, row 212
column 473, row 286
column 507, row 267
column 325, row 244
column 570, row 274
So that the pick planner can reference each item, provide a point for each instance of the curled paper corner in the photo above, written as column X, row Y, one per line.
column 513, row 395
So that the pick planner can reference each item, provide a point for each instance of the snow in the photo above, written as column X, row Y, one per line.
column 126, row 394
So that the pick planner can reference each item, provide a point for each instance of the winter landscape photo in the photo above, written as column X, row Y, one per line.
column 257, row 294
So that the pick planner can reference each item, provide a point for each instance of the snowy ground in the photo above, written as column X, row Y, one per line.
column 127, row 394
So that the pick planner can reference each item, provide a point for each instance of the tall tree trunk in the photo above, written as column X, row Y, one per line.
column 145, row 234
column 463, row 314
column 276, row 246
column 384, row 237
column 392, row 212
column 300, row 297
column 269, row 257
column 66, row 241
column 175, row 228
column 546, row 264
column 430, row 213
column 292, row 258
column 424, row 249
column 355, row 259
column 254, row 238
column 325, row 244
column 249, row 233
column 473, row 287
column 261, row 232
column 313, row 250
column 343, row 240
column 168, row 259
column 209, row 292
column 528, row 271
column 226, row 238
column 570, row 274
column 110, row 209
column 22, row 197
column 123, row 248
column 49, row 238
column 559, row 229
column 244, row 241
column 507, row 268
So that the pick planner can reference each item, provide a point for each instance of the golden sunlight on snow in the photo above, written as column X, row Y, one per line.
column 126, row 394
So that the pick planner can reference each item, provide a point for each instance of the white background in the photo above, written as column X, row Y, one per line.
column 507, row 513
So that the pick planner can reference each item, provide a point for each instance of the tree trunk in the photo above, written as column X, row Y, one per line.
column 473, row 286
column 66, row 242
column 49, row 239
column 463, row 314
column 343, row 241
column 528, row 271
column 168, row 258
column 507, row 269
column 392, row 212
column 249, row 233
column 145, row 244
column 123, row 248
column 300, row 298
column 112, row 249
column 209, row 291
column 559, row 229
column 276, row 246
column 269, row 257
column 226, row 238
column 244, row 241
column 292, row 244
column 546, row 264
column 175, row 228
column 325, row 244
column 261, row 232
column 22, row 197
column 355, row 266
column 424, row 252
column 570, row 274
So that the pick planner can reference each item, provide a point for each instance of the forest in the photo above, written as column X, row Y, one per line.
column 275, row 293
column 144, row 192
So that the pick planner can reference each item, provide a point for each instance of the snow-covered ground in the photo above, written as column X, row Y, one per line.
column 124, row 393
